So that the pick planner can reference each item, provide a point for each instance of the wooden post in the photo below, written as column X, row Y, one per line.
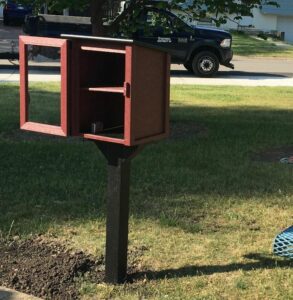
column 119, row 161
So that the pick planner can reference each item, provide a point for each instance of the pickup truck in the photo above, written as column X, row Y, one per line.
column 201, row 50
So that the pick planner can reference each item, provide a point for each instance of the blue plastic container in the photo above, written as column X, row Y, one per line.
column 283, row 244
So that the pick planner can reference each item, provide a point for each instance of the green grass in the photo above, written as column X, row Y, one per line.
column 47, row 97
column 203, row 210
column 248, row 46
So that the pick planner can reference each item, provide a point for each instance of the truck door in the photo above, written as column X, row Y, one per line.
column 183, row 36
column 156, row 29
column 166, row 30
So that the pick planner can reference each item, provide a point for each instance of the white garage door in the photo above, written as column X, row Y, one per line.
column 285, row 24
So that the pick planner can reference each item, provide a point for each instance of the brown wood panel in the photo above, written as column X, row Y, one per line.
column 75, row 89
column 149, row 94
column 128, row 105
column 101, row 69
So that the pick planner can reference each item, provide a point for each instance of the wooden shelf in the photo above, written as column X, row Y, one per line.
column 110, row 89
column 100, row 49
column 113, row 138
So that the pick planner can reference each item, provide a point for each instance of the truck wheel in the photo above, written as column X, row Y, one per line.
column 205, row 64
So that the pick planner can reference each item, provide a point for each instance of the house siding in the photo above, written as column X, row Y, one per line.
column 264, row 22
column 285, row 24
column 268, row 21
column 259, row 21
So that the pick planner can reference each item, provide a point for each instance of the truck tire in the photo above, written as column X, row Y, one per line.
column 205, row 64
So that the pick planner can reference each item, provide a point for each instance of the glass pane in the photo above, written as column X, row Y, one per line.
column 44, row 80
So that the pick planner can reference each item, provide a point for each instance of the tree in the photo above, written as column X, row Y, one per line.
column 102, row 10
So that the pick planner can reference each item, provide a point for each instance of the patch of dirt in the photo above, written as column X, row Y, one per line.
column 45, row 269
column 273, row 155
column 182, row 130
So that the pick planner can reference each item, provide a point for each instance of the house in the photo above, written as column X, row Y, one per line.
column 283, row 17
column 269, row 18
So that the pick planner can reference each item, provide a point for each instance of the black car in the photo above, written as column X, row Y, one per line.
column 15, row 12
column 201, row 50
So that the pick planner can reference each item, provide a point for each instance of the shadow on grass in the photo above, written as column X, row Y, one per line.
column 260, row 262
column 50, row 181
column 228, row 74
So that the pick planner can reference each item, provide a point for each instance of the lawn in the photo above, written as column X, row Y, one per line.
column 205, row 205
column 248, row 46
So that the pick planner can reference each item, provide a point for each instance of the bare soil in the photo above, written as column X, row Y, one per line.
column 48, row 270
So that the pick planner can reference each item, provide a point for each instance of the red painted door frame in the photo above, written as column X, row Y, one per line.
column 25, row 124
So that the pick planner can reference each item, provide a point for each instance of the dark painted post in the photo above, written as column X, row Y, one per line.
column 119, row 161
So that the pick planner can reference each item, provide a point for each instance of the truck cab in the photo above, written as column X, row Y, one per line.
column 201, row 50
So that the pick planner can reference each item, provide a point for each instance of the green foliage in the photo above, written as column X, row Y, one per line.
column 196, row 8
column 220, row 10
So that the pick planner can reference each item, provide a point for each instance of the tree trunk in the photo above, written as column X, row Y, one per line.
column 97, row 15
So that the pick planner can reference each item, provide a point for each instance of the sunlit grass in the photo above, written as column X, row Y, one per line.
column 248, row 46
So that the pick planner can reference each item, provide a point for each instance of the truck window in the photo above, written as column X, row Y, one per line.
column 158, row 23
column 179, row 26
